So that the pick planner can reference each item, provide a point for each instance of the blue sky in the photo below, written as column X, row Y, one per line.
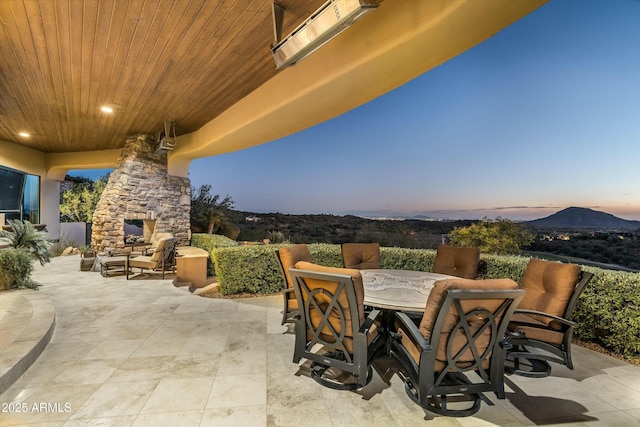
column 542, row 116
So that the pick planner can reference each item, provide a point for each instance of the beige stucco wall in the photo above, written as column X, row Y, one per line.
column 34, row 162
column 397, row 42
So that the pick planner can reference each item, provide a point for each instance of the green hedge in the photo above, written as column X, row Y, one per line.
column 607, row 313
column 210, row 242
column 16, row 266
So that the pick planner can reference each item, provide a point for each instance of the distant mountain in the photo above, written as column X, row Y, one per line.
column 574, row 217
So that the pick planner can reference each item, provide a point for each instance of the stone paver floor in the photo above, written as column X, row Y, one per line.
column 145, row 353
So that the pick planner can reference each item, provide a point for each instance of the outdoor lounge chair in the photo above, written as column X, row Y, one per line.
column 462, row 331
column 331, row 329
column 163, row 258
column 87, row 259
column 360, row 255
column 457, row 261
column 543, row 320
column 287, row 258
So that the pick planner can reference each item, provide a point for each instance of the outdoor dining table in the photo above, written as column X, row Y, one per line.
column 398, row 290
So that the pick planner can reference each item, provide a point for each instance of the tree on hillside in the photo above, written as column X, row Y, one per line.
column 78, row 203
column 499, row 236
column 207, row 210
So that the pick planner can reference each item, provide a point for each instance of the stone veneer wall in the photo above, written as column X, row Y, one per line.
column 140, row 188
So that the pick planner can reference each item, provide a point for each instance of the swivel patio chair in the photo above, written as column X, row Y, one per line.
column 331, row 329
column 360, row 256
column 457, row 261
column 462, row 331
column 163, row 258
column 287, row 258
column 543, row 320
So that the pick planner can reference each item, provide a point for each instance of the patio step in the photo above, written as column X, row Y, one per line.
column 27, row 321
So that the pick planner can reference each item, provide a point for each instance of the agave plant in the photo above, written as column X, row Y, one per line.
column 24, row 235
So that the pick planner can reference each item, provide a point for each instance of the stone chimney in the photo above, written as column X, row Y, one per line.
column 139, row 188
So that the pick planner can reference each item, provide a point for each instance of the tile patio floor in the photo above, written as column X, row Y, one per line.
column 145, row 353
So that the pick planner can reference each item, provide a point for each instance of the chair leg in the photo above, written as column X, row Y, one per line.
column 525, row 364
column 439, row 404
column 319, row 371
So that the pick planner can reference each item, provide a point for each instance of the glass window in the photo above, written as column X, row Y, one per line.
column 19, row 195
column 31, row 199
column 11, row 189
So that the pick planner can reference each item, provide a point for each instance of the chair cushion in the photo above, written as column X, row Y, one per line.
column 114, row 261
column 436, row 297
column 327, row 336
column 289, row 256
column 534, row 329
column 159, row 251
column 549, row 286
column 457, row 261
column 156, row 236
column 361, row 255
column 355, row 277
column 433, row 307
column 143, row 261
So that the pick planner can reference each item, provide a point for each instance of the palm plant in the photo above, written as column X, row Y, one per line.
column 215, row 219
column 207, row 210
column 24, row 235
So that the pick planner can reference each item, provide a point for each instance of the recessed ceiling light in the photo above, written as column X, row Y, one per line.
column 24, row 134
column 106, row 109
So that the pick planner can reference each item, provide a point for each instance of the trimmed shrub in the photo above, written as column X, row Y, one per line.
column 208, row 242
column 500, row 266
column 15, row 269
column 254, row 268
column 248, row 268
column 326, row 254
column 608, row 311
column 407, row 259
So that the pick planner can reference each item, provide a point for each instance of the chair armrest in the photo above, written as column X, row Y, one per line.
column 368, row 322
column 547, row 315
column 413, row 330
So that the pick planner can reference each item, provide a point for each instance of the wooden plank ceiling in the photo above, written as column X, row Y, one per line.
column 182, row 60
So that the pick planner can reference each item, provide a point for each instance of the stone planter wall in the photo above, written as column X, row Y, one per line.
column 140, row 188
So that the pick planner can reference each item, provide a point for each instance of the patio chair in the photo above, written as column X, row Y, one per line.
column 543, row 320
column 163, row 258
column 87, row 259
column 331, row 329
column 457, row 261
column 287, row 258
column 462, row 331
column 360, row 256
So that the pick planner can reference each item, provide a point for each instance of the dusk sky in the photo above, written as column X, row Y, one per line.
column 542, row 116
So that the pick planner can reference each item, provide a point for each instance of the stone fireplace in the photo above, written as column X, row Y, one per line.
column 140, row 190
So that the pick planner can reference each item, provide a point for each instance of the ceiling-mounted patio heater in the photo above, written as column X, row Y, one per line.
column 332, row 18
column 164, row 141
